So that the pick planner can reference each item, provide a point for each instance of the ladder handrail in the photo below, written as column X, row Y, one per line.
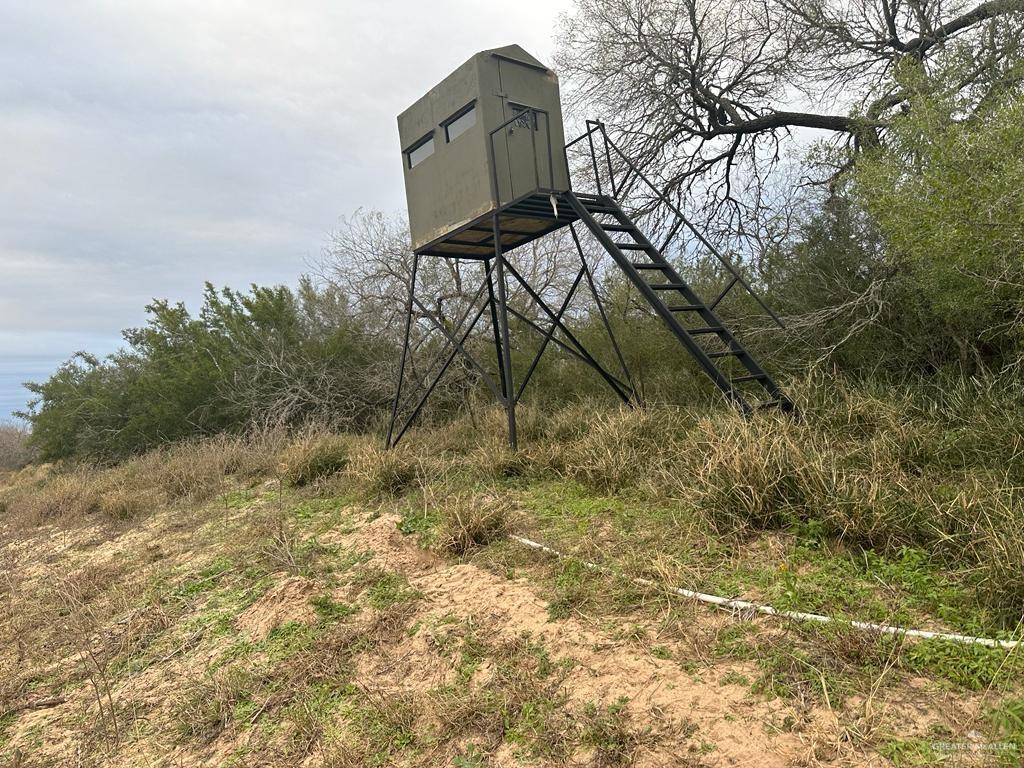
column 597, row 125
column 675, row 283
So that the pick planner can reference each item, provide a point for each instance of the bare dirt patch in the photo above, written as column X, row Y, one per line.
column 678, row 708
column 287, row 601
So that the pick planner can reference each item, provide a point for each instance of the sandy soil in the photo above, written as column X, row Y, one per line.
column 687, row 718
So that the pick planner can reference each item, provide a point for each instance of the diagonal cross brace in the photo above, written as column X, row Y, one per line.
column 548, row 336
column 460, row 347
column 430, row 388
column 611, row 380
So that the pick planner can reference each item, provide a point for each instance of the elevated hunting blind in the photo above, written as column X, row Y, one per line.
column 488, row 133
column 486, row 170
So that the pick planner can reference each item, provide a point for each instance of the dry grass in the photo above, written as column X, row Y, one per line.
column 876, row 467
column 191, row 473
column 206, row 708
column 882, row 467
column 314, row 457
column 384, row 474
column 873, row 469
column 469, row 521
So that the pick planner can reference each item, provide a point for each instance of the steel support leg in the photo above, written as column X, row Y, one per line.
column 506, row 350
column 496, row 328
column 405, row 350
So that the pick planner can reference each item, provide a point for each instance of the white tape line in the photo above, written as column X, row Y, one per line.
column 767, row 610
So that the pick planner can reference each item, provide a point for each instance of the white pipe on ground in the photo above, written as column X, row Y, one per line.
column 767, row 610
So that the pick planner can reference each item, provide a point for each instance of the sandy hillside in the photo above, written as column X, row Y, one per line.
column 267, row 627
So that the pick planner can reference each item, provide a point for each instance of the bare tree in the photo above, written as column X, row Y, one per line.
column 14, row 450
column 331, row 375
column 704, row 93
column 370, row 260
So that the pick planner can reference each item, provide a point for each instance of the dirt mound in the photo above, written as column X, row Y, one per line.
column 673, row 703
column 288, row 601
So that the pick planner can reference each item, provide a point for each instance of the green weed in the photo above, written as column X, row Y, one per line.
column 970, row 666
column 330, row 611
column 386, row 588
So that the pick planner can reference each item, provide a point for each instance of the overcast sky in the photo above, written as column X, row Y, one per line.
column 148, row 146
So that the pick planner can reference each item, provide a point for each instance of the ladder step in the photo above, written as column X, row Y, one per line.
column 668, row 286
column 727, row 353
column 751, row 377
column 631, row 246
column 700, row 331
column 648, row 265
column 619, row 228
column 689, row 308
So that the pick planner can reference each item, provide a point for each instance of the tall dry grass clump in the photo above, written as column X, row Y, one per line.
column 619, row 449
column 382, row 473
column 315, row 456
column 472, row 520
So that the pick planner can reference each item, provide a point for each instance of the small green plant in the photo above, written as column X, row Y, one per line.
column 971, row 666
column 288, row 639
column 204, row 581
column 735, row 678
column 6, row 721
column 607, row 730
column 1007, row 720
column 419, row 522
column 909, row 752
column 386, row 588
column 330, row 611
column 473, row 757
column 385, row 723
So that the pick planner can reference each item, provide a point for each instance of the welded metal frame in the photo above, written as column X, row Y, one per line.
column 619, row 186
column 534, row 204
column 543, row 203
column 493, row 288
